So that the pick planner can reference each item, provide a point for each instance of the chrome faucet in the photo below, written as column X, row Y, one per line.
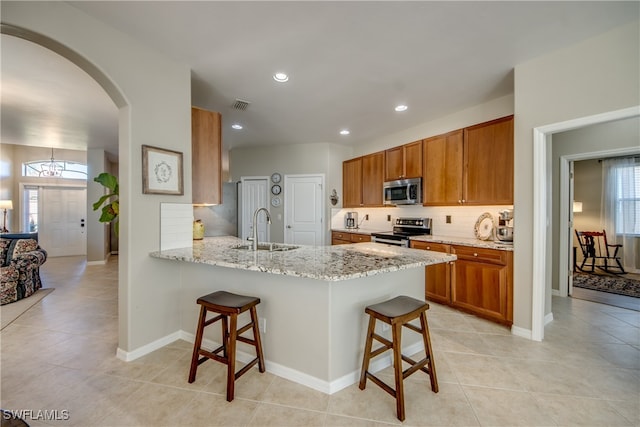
column 254, row 239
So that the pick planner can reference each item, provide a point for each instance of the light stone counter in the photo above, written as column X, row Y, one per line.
column 326, row 263
column 312, row 301
column 488, row 244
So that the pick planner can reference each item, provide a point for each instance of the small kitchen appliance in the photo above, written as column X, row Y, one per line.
column 504, row 231
column 403, row 229
column 402, row 192
column 351, row 220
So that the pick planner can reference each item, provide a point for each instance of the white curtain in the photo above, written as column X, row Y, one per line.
column 620, row 213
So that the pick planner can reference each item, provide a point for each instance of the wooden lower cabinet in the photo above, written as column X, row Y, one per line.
column 480, row 281
column 343, row 238
column 437, row 278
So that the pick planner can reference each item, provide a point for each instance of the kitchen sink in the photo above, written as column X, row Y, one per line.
column 271, row 247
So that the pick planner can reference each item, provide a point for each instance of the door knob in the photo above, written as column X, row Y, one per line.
column 288, row 226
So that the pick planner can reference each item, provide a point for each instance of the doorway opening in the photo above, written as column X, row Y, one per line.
column 542, row 137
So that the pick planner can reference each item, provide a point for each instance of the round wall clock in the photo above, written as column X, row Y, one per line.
column 275, row 201
column 276, row 189
column 276, row 177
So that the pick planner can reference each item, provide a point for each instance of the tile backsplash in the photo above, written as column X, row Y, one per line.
column 463, row 218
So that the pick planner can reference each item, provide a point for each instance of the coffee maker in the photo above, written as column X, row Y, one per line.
column 504, row 232
column 351, row 220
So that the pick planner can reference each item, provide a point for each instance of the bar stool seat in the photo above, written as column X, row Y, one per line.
column 228, row 306
column 398, row 312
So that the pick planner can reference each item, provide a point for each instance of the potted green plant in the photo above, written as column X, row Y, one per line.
column 111, row 207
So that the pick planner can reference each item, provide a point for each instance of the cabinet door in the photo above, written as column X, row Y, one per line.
column 437, row 278
column 206, row 155
column 443, row 169
column 352, row 183
column 372, row 179
column 488, row 148
column 393, row 162
column 413, row 160
column 480, row 288
column 482, row 283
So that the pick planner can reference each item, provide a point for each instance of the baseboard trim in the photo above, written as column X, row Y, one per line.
column 129, row 356
column 102, row 262
column 521, row 332
column 548, row 318
column 326, row 387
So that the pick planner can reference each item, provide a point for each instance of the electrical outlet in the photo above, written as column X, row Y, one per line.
column 262, row 322
column 366, row 217
column 448, row 219
column 388, row 217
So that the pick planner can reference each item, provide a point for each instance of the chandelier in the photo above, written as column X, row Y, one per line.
column 51, row 169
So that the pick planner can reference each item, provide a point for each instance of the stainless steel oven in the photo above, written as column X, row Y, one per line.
column 403, row 229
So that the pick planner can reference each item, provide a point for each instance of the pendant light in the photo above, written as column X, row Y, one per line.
column 51, row 169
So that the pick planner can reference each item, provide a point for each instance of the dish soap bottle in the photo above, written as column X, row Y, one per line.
column 198, row 229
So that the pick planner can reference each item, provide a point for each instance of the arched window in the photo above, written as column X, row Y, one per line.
column 55, row 169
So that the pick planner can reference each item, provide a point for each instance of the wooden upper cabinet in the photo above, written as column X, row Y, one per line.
column 443, row 169
column 206, row 155
column 352, row 183
column 403, row 162
column 488, row 159
column 372, row 179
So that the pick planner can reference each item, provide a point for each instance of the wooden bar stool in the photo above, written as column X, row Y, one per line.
column 228, row 306
column 398, row 312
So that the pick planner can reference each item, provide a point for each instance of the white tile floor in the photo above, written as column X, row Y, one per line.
column 60, row 355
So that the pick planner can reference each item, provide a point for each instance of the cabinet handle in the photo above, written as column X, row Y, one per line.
column 475, row 254
column 428, row 248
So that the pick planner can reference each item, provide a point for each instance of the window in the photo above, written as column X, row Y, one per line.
column 59, row 168
column 627, row 184
column 30, row 210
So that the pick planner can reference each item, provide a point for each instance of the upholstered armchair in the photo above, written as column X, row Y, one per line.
column 20, row 259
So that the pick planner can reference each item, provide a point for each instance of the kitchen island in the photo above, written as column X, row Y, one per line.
column 312, row 299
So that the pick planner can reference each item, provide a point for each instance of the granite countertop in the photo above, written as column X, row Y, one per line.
column 488, row 244
column 327, row 263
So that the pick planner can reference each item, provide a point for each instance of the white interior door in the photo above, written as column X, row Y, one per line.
column 62, row 230
column 254, row 196
column 303, row 209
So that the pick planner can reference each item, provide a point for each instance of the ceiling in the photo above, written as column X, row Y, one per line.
column 350, row 64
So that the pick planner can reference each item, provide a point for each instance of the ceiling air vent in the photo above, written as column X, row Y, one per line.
column 240, row 105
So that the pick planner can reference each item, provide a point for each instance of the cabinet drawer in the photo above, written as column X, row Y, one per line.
column 338, row 235
column 491, row 256
column 357, row 238
column 430, row 246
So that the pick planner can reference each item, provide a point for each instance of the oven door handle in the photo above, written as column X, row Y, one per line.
column 391, row 242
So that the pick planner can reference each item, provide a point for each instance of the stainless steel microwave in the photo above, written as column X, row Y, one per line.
column 402, row 192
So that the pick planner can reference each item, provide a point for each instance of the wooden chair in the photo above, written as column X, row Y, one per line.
column 595, row 247
column 228, row 306
column 398, row 312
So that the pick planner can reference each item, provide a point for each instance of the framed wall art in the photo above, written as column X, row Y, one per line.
column 161, row 171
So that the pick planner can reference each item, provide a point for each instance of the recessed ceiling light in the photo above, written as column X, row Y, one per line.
column 344, row 132
column 280, row 77
column 400, row 108
column 236, row 126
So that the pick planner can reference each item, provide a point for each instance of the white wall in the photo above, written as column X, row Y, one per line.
column 598, row 75
column 153, row 95
column 318, row 158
